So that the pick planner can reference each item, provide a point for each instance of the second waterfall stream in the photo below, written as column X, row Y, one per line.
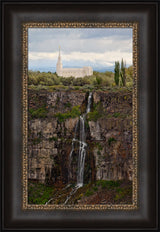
column 80, row 137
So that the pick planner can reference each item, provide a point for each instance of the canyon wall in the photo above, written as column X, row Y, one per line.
column 51, row 127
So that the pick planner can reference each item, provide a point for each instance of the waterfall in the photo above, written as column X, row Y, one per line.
column 89, row 103
column 82, row 144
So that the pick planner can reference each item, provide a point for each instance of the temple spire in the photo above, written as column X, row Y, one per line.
column 59, row 50
column 59, row 66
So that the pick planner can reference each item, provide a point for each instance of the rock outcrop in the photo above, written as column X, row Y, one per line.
column 51, row 130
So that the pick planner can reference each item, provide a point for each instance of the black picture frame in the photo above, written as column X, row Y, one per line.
column 16, row 13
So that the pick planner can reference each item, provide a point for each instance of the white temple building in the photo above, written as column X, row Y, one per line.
column 74, row 72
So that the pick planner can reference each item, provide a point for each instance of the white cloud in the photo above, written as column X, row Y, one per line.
column 83, row 45
column 106, row 58
column 94, row 47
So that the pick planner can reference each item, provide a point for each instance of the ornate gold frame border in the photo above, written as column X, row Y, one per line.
column 25, row 28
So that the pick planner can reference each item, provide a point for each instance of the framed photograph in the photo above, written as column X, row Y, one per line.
column 80, row 132
column 82, row 126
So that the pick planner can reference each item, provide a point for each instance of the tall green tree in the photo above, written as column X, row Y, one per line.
column 123, row 73
column 99, row 80
column 116, row 72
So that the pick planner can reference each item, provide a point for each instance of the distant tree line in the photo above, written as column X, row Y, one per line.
column 121, row 76
column 51, row 79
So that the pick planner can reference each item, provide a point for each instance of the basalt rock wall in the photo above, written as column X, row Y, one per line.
column 109, row 135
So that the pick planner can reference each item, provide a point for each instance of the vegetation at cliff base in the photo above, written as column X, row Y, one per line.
column 109, row 184
column 89, row 193
column 39, row 193
column 98, row 192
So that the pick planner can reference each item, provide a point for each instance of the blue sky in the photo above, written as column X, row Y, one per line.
column 96, row 47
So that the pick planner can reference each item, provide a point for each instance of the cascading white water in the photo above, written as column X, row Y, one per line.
column 82, row 148
column 82, row 152
column 89, row 103
column 82, row 144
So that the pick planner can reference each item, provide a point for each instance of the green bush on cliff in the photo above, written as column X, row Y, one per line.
column 98, row 153
column 68, row 105
column 99, row 146
column 53, row 139
column 75, row 112
column 38, row 113
column 96, row 113
column 93, row 116
column 110, row 140
column 109, row 184
column 116, row 115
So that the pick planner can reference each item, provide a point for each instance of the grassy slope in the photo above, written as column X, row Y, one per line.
column 100, row 192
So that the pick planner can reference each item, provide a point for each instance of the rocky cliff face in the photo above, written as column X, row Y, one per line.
column 52, row 120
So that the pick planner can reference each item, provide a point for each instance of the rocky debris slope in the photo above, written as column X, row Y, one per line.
column 100, row 192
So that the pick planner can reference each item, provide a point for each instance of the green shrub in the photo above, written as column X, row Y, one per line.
column 89, row 193
column 99, row 80
column 67, row 81
column 68, row 105
column 79, row 81
column 109, row 184
column 93, row 116
column 119, row 190
column 96, row 113
column 117, row 114
column 75, row 112
column 38, row 113
column 61, row 117
column 95, row 188
column 39, row 193
column 53, row 139
column 120, row 195
column 110, row 140
column 99, row 146
column 113, row 184
column 98, row 153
